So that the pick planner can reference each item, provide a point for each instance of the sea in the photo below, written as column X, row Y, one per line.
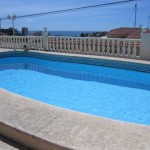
column 64, row 33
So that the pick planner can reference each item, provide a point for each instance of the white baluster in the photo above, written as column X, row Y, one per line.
column 94, row 48
column 137, row 53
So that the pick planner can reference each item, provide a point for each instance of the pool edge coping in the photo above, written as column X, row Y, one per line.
column 65, row 127
column 119, row 59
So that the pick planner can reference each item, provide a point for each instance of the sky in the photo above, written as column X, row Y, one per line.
column 95, row 19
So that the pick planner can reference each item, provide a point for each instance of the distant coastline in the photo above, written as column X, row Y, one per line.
column 9, row 31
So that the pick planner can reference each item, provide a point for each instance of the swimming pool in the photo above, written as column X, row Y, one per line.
column 108, row 92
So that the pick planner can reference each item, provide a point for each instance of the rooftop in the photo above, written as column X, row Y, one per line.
column 124, row 32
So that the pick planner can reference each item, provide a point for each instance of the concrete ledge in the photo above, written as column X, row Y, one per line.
column 41, row 126
column 26, row 139
column 8, row 144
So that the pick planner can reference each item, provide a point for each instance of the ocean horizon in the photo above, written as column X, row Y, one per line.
column 65, row 33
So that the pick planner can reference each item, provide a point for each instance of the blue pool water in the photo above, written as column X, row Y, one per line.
column 108, row 92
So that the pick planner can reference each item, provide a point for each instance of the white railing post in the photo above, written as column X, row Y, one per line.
column 145, row 46
column 45, row 39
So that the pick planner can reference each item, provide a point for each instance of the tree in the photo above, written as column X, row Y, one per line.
column 82, row 35
column 38, row 33
column 9, row 31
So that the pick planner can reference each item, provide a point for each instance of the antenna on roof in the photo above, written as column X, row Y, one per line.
column 148, row 21
column 135, row 15
column 0, row 24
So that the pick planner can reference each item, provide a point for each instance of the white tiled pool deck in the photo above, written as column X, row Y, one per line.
column 42, row 126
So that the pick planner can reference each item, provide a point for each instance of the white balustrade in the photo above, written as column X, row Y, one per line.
column 95, row 46
column 127, row 48
column 32, row 42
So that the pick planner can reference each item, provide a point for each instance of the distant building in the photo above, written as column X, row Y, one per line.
column 125, row 32
column 1, row 33
column 24, row 31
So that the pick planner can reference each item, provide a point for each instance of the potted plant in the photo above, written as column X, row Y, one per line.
column 25, row 47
